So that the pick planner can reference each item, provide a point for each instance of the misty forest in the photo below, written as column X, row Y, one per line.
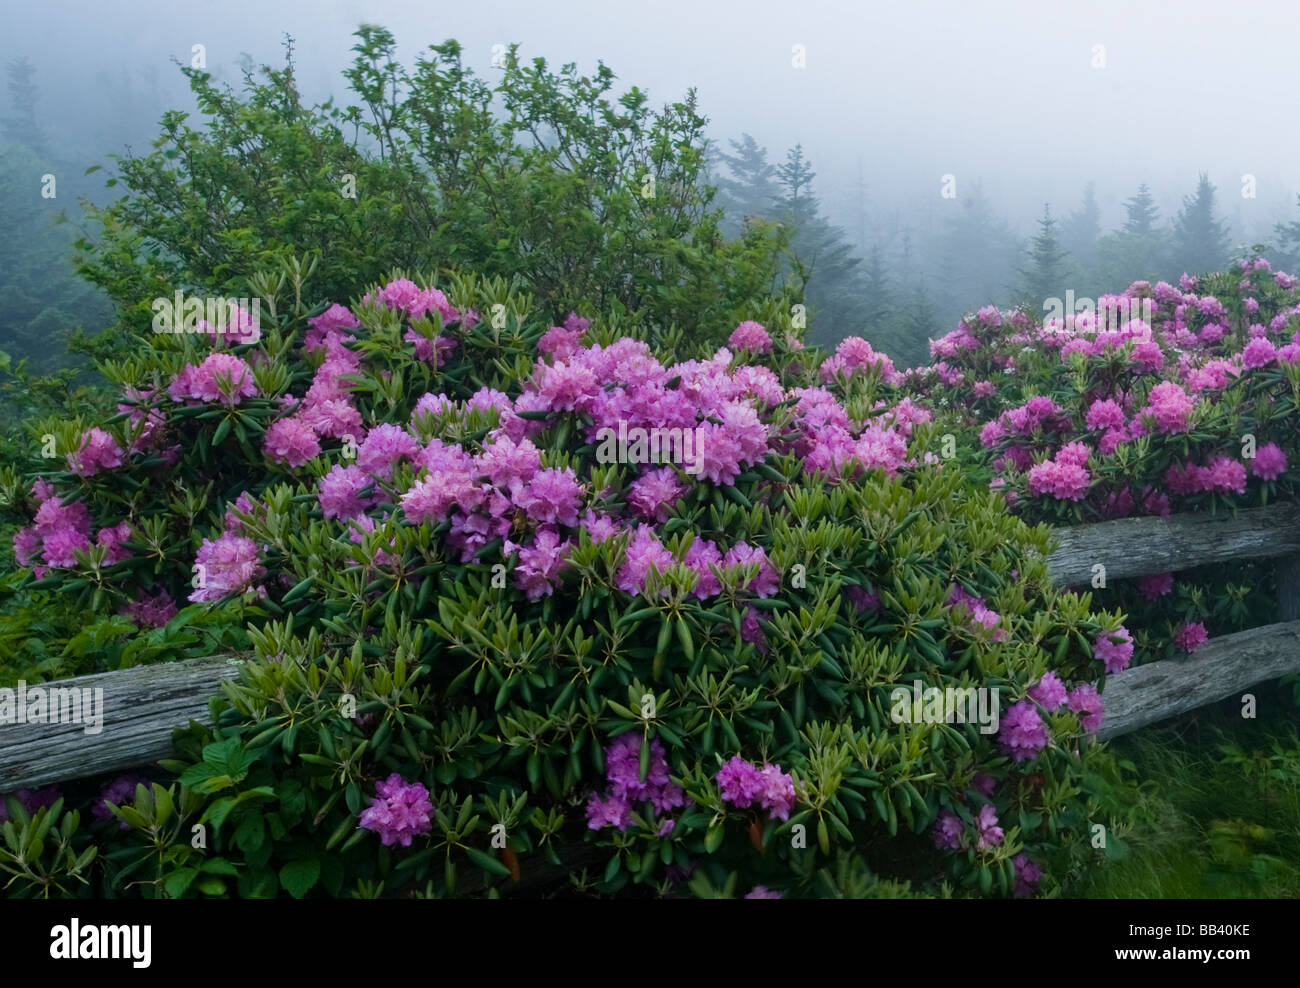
column 472, row 456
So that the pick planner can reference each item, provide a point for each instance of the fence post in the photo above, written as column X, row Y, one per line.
column 1288, row 587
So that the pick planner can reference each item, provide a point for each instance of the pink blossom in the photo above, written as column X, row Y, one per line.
column 291, row 441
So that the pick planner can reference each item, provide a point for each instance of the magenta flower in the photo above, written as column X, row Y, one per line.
column 655, row 493
column 750, row 336
column 644, row 550
column 1115, row 656
column 385, row 445
column 340, row 492
column 290, row 441
column 767, row 581
column 228, row 565
column 1190, row 636
column 98, row 451
column 1028, row 875
column 151, row 611
column 399, row 812
column 623, row 773
column 221, row 377
column 1269, row 462
column 990, row 834
column 743, row 785
column 947, row 831
column 1171, row 407
column 552, row 496
column 538, row 572
column 761, row 892
column 1085, row 701
column 1050, row 692
column 1155, row 586
column 1022, row 732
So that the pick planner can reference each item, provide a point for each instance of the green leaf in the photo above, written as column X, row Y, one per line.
column 179, row 881
column 299, row 876
column 487, row 862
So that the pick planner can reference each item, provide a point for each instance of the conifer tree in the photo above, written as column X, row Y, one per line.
column 1200, row 240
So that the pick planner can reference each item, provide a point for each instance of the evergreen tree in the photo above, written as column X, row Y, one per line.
column 21, row 126
column 975, row 250
column 921, row 325
column 1045, row 276
column 1142, row 213
column 824, row 258
column 1137, row 251
column 1287, row 254
column 1200, row 241
column 1080, row 231
column 750, row 188
column 795, row 178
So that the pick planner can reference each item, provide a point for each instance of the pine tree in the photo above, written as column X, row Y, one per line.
column 975, row 250
column 832, row 283
column 1142, row 213
column 750, row 189
column 1287, row 253
column 1200, row 240
column 21, row 127
column 1045, row 276
column 1137, row 251
column 795, row 178
column 1080, row 230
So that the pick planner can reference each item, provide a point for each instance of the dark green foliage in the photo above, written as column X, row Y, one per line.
column 546, row 176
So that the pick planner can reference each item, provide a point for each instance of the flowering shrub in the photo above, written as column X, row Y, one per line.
column 477, row 645
column 1098, row 415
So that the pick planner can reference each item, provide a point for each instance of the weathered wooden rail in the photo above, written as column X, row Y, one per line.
column 142, row 706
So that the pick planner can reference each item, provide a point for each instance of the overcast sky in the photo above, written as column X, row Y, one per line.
column 1007, row 93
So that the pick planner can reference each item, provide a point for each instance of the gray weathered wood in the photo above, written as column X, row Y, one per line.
column 145, row 704
column 1288, row 588
column 1130, row 547
column 1220, row 668
column 141, row 708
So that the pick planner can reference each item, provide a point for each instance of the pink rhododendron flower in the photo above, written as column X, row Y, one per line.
column 291, row 441
column 1022, row 732
column 1155, row 586
column 229, row 565
column 751, row 337
column 1050, row 691
column 1115, row 656
column 399, row 811
column 98, row 451
column 1190, row 636
column 1269, row 462
column 1085, row 701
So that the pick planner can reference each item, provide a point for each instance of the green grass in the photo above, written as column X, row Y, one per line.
column 1218, row 811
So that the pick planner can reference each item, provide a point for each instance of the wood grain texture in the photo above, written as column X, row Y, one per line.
column 1288, row 588
column 144, row 705
column 141, row 708
column 1220, row 668
column 1130, row 547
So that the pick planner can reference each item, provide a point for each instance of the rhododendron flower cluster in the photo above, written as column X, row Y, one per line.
column 229, row 565
column 1115, row 650
column 399, row 812
column 1190, row 636
column 744, row 784
column 627, row 788
column 222, row 377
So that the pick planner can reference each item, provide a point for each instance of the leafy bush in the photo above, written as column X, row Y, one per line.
column 1112, row 412
column 584, row 195
column 475, row 644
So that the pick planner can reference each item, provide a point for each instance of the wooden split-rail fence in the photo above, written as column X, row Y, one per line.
column 144, row 705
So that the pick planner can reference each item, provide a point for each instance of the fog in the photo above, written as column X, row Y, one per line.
column 1025, row 100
